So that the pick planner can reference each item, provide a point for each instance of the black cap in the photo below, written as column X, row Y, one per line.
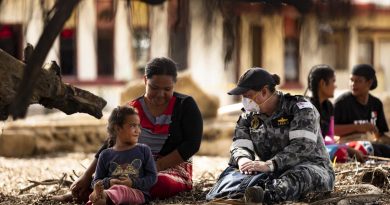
column 366, row 71
column 255, row 79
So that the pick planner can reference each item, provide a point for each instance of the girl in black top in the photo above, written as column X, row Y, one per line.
column 321, row 83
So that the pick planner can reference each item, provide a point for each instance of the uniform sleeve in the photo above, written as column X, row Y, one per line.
column 303, row 136
column 192, row 128
column 381, row 122
column 242, row 145
column 101, row 172
column 150, row 173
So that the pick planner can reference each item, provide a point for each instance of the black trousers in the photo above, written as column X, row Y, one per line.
column 381, row 150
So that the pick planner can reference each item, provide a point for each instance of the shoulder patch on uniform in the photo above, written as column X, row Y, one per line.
column 255, row 123
column 302, row 105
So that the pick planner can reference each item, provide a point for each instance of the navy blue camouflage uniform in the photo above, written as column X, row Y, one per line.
column 291, row 139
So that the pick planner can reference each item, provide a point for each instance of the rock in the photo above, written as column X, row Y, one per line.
column 376, row 177
column 20, row 143
column 208, row 104
column 344, row 202
column 220, row 147
column 217, row 137
column 52, row 134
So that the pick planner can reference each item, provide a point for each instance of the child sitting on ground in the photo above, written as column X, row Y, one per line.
column 126, row 171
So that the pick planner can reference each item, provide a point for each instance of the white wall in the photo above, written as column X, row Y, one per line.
column 123, row 68
column 272, row 42
column 206, row 54
column 159, row 30
column 86, row 38
column 14, row 11
column 29, row 14
column 311, row 52
column 34, row 24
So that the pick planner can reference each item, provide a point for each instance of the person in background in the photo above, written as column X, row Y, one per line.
column 126, row 171
column 321, row 83
column 357, row 111
column 172, row 126
column 284, row 132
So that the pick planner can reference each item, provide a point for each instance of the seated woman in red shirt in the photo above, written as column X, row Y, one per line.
column 172, row 127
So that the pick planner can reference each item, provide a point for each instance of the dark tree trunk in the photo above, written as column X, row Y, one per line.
column 50, row 91
column 63, row 9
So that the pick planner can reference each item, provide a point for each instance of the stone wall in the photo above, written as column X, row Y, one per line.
column 52, row 134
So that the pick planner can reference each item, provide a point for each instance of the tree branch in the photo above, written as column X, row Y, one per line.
column 63, row 10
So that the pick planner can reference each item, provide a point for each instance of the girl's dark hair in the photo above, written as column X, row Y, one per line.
column 117, row 118
column 161, row 66
column 316, row 74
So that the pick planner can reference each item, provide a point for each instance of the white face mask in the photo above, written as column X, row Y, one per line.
column 250, row 105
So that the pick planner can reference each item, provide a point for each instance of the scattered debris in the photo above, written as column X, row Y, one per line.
column 355, row 183
column 60, row 182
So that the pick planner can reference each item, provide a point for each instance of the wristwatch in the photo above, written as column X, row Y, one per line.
column 270, row 165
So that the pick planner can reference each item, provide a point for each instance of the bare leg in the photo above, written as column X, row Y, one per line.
column 63, row 198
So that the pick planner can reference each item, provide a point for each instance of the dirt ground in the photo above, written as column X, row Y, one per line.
column 17, row 174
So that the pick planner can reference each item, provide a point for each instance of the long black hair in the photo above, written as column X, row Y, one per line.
column 316, row 74
column 117, row 118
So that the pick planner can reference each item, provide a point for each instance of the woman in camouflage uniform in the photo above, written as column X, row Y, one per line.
column 278, row 135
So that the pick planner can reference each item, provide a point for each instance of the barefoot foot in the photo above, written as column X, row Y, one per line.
column 98, row 196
